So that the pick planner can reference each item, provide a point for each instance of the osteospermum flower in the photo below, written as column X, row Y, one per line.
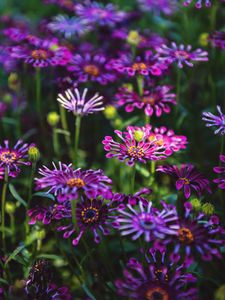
column 217, row 121
column 69, row 27
column 12, row 158
column 157, row 6
column 132, row 150
column 181, row 55
column 218, row 39
column 97, row 13
column 89, row 67
column 198, row 3
column 15, row 34
column 42, row 53
column 78, row 104
column 153, row 101
column 156, row 279
column 132, row 199
column 148, row 221
column 198, row 234
column 220, row 170
column 66, row 182
column 187, row 178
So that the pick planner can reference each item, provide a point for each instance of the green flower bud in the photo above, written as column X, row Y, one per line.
column 118, row 123
column 53, row 118
column 196, row 204
column 208, row 208
column 138, row 135
column 133, row 38
column 10, row 207
column 33, row 154
column 220, row 293
column 13, row 81
column 7, row 98
column 110, row 112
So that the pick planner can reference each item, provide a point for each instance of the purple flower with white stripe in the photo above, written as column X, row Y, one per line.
column 187, row 178
column 217, row 121
column 78, row 104
column 221, row 171
column 132, row 199
column 181, row 55
column 198, row 3
column 148, row 221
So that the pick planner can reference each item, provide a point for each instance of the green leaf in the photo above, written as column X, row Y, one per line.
column 61, row 131
column 45, row 195
column 15, row 194
column 87, row 291
column 14, row 254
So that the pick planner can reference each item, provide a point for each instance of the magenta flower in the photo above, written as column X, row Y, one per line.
column 154, row 100
column 157, row 6
column 131, row 150
column 156, row 279
column 217, row 121
column 89, row 67
column 198, row 3
column 96, row 13
column 220, row 170
column 181, row 55
column 66, row 182
column 2, row 173
column 218, row 39
column 16, row 34
column 187, row 178
column 12, row 158
column 132, row 199
column 150, row 222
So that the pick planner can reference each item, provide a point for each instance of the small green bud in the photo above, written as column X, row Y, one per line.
column 110, row 112
column 208, row 208
column 53, row 118
column 220, row 293
column 196, row 204
column 118, row 123
column 138, row 135
column 133, row 38
column 33, row 154
column 7, row 98
column 13, row 81
column 204, row 39
column 10, row 207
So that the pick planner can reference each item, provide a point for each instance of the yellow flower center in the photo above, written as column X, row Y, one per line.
column 181, row 54
column 75, row 182
column 156, row 293
column 186, row 181
column 90, row 215
column 92, row 70
column 185, row 235
column 135, row 152
column 139, row 66
column 149, row 100
column 39, row 54
column 8, row 157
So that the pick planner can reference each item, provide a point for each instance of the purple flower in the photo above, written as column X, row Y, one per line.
column 181, row 55
column 9, row 63
column 154, row 100
column 97, row 13
column 132, row 199
column 198, row 3
column 69, row 27
column 12, row 158
column 188, row 178
column 88, row 67
column 132, row 150
column 148, row 221
column 42, row 53
column 217, row 121
column 157, row 6
column 220, row 170
column 218, row 39
column 198, row 234
column 66, row 183
column 147, row 65
column 157, row 278
column 15, row 34
column 77, row 103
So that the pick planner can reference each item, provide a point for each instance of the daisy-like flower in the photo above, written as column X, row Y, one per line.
column 198, row 234
column 167, row 7
column 187, row 178
column 153, row 101
column 69, row 27
column 158, row 278
column 133, row 199
column 42, row 53
column 12, row 158
column 66, row 183
column 220, row 170
column 78, row 104
column 217, row 121
column 218, row 39
column 147, row 65
column 133, row 150
column 181, row 55
column 148, row 221
column 15, row 34
column 198, row 3
column 97, row 13
column 88, row 67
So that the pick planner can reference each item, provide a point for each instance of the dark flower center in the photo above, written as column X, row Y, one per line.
column 185, row 235
column 92, row 70
column 185, row 180
column 40, row 54
column 139, row 66
column 181, row 54
column 90, row 215
column 8, row 157
column 135, row 152
column 75, row 182
column 156, row 293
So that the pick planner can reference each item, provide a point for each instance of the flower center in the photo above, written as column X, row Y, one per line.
column 40, row 54
column 186, row 181
column 8, row 157
column 149, row 100
column 135, row 152
column 139, row 66
column 75, row 182
column 185, row 235
column 156, row 293
column 91, row 70
column 181, row 54
column 90, row 215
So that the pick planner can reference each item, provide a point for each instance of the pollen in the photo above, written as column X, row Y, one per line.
column 75, row 182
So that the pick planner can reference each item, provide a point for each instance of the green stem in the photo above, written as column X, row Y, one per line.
column 213, row 17
column 73, row 207
column 221, row 192
column 140, row 84
column 76, row 139
column 12, row 226
column 132, row 179
column 38, row 90
column 55, row 142
column 64, row 124
column 30, row 186
column 147, row 120
column 4, row 190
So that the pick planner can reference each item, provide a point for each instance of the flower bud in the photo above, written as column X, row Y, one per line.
column 13, row 81
column 33, row 154
column 133, row 38
column 220, row 293
column 208, row 208
column 110, row 112
column 53, row 118
column 196, row 204
column 138, row 135
column 203, row 39
column 10, row 207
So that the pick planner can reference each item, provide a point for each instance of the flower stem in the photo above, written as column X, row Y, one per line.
column 76, row 139
column 140, row 84
column 30, row 186
column 55, row 142
column 147, row 120
column 64, row 124
column 4, row 190
column 132, row 179
column 38, row 90
column 74, row 208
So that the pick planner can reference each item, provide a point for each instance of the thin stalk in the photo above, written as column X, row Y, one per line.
column 74, row 207
column 213, row 17
column 64, row 123
column 132, row 179
column 147, row 120
column 12, row 226
column 221, row 192
column 76, row 139
column 30, row 186
column 140, row 84
column 55, row 142
column 4, row 190
column 38, row 90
